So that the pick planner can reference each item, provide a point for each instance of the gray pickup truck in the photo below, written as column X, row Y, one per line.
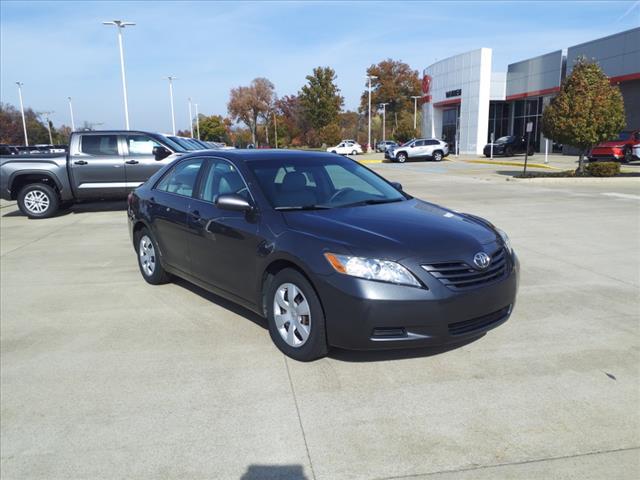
column 99, row 165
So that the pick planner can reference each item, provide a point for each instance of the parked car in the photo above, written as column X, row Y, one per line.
column 620, row 149
column 328, row 251
column 636, row 152
column 418, row 149
column 99, row 165
column 382, row 146
column 508, row 146
column 346, row 148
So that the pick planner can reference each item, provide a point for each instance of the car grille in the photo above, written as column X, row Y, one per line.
column 461, row 276
column 479, row 323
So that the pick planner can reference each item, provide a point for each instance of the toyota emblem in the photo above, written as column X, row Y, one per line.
column 482, row 260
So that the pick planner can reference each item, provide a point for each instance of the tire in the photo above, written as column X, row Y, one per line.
column 354, row 152
column 38, row 200
column 149, row 258
column 508, row 152
column 306, row 341
column 401, row 157
column 437, row 156
column 333, row 151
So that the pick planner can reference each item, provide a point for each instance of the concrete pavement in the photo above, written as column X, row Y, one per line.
column 104, row 376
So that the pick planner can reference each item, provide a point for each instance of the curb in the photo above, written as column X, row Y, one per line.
column 513, row 164
column 575, row 180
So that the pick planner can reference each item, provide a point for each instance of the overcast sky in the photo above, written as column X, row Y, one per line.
column 61, row 49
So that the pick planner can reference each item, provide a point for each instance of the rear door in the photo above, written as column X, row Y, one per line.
column 140, row 163
column 430, row 146
column 169, row 207
column 97, row 166
column 418, row 149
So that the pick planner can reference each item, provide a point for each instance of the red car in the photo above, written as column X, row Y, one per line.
column 620, row 149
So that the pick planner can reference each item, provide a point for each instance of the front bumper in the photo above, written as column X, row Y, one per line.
column 364, row 315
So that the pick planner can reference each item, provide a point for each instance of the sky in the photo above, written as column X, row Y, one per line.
column 61, row 49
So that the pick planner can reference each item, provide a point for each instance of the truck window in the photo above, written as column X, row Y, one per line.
column 140, row 144
column 99, row 144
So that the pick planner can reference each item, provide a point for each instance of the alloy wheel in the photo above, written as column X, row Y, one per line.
column 292, row 315
column 36, row 201
column 147, row 255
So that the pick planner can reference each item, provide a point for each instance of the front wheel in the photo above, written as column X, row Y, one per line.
column 149, row 259
column 437, row 156
column 508, row 152
column 38, row 200
column 401, row 157
column 355, row 152
column 295, row 316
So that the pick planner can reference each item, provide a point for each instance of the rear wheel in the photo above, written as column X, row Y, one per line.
column 38, row 200
column 437, row 156
column 355, row 152
column 149, row 259
column 508, row 152
column 295, row 316
column 401, row 157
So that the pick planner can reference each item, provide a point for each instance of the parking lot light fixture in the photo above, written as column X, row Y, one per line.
column 73, row 123
column 24, row 122
column 370, row 77
column 384, row 121
column 121, row 24
column 173, row 116
column 415, row 110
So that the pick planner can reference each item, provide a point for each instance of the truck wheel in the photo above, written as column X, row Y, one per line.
column 38, row 200
column 401, row 157
column 149, row 259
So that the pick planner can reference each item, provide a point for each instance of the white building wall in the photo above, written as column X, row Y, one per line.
column 471, row 73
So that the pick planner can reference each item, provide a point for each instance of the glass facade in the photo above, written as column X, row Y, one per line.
column 524, row 111
column 450, row 126
column 498, row 120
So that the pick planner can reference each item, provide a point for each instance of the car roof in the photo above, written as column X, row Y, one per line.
column 252, row 154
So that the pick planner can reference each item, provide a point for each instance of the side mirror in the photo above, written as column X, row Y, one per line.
column 233, row 202
column 411, row 146
column 160, row 153
column 397, row 186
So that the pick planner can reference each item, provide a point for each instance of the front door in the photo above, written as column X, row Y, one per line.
column 140, row 163
column 97, row 167
column 170, row 203
column 223, row 244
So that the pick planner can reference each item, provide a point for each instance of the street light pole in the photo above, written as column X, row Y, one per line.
column 415, row 110
column 46, row 117
column 384, row 120
column 190, row 118
column 24, row 122
column 197, row 122
column 73, row 123
column 275, row 127
column 370, row 77
column 120, row 24
column 173, row 116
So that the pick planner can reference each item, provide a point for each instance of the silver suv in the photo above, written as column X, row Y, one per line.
column 418, row 148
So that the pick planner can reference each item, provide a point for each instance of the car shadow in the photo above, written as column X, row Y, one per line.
column 358, row 356
column 83, row 207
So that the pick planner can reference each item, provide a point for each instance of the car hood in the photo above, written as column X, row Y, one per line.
column 394, row 231
column 612, row 144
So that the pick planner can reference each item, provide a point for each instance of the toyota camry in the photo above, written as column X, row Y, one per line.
column 329, row 252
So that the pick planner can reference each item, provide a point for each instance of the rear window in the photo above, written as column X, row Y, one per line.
column 99, row 144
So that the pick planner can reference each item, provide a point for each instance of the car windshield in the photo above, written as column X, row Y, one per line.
column 504, row 140
column 184, row 143
column 624, row 136
column 409, row 142
column 304, row 184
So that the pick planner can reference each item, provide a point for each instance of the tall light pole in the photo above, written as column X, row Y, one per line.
column 190, row 118
column 120, row 24
column 24, row 122
column 197, row 122
column 384, row 120
column 173, row 116
column 275, row 128
column 415, row 109
column 370, row 77
column 46, row 117
column 73, row 123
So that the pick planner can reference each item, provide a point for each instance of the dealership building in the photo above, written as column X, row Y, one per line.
column 465, row 102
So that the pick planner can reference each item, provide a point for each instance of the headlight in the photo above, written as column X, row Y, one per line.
column 505, row 240
column 372, row 269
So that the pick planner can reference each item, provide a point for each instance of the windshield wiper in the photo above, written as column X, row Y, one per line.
column 373, row 201
column 303, row 207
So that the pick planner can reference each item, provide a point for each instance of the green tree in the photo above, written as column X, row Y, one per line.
column 396, row 82
column 320, row 98
column 11, row 131
column 586, row 111
column 214, row 128
column 330, row 134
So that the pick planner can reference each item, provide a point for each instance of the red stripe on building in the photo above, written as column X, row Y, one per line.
column 625, row 78
column 535, row 93
column 444, row 103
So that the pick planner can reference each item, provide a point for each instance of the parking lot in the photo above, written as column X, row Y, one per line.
column 105, row 376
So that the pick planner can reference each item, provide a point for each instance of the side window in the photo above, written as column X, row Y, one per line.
column 140, row 144
column 181, row 180
column 99, row 144
column 419, row 143
column 431, row 142
column 223, row 178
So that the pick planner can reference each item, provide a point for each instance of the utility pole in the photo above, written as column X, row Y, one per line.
column 197, row 122
column 415, row 110
column 173, row 116
column 384, row 120
column 46, row 117
column 190, row 118
column 120, row 24
column 24, row 122
column 73, row 123
column 370, row 77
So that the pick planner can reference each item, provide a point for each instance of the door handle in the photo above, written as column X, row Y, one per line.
column 80, row 162
column 132, row 162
